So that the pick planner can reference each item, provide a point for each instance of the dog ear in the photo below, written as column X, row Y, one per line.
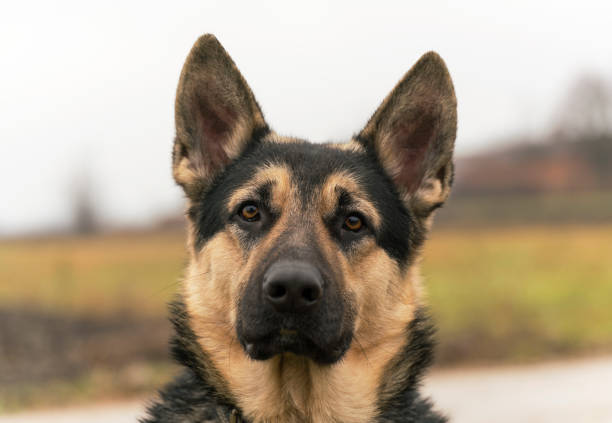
column 216, row 116
column 413, row 133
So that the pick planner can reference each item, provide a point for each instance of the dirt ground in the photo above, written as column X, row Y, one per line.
column 560, row 392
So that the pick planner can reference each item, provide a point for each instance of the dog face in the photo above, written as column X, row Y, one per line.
column 305, row 250
column 310, row 227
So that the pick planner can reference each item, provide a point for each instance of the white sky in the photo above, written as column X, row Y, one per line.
column 89, row 88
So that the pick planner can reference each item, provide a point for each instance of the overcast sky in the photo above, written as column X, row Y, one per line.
column 87, row 89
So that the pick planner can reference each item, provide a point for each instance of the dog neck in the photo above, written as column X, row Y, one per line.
column 298, row 390
column 292, row 389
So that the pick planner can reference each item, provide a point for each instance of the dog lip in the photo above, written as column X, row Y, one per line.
column 250, row 348
column 286, row 340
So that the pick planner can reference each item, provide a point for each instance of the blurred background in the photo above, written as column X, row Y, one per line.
column 518, row 268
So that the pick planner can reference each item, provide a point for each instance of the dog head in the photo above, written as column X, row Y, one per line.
column 305, row 249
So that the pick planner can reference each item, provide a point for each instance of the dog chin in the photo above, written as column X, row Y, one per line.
column 290, row 342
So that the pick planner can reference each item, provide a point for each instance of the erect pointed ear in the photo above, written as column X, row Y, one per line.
column 413, row 134
column 216, row 116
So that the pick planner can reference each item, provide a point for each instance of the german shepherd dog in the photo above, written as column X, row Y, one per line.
column 301, row 301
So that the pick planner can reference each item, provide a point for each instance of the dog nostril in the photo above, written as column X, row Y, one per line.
column 311, row 294
column 277, row 291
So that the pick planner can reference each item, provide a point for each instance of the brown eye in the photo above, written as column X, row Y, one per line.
column 353, row 223
column 250, row 213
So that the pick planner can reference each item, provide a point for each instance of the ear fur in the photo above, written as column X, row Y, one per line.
column 413, row 133
column 216, row 116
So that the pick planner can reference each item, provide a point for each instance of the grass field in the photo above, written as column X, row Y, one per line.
column 513, row 294
column 521, row 293
column 135, row 273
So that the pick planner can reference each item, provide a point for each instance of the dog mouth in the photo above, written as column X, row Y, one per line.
column 288, row 332
column 293, row 341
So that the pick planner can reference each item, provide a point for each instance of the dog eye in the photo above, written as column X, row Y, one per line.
column 353, row 223
column 250, row 213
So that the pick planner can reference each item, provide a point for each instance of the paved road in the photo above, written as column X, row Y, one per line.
column 565, row 392
column 107, row 413
column 572, row 392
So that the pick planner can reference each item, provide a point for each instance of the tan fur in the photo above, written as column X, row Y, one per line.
column 184, row 173
column 352, row 145
column 281, row 139
column 343, row 180
column 278, row 176
column 288, row 388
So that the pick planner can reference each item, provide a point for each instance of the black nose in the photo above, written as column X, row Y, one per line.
column 292, row 286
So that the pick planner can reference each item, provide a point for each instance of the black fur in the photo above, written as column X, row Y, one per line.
column 403, row 403
column 197, row 396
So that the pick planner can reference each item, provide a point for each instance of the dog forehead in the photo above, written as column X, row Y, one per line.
column 310, row 163
column 301, row 167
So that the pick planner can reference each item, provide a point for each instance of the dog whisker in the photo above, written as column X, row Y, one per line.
column 229, row 353
column 362, row 351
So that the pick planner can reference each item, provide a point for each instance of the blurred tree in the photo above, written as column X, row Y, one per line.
column 85, row 219
column 575, row 155
column 587, row 110
column 584, row 125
